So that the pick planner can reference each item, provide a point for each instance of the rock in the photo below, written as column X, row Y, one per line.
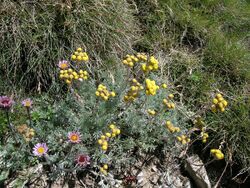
column 195, row 168
column 162, row 176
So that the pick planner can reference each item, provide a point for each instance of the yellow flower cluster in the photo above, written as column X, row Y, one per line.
column 171, row 127
column 133, row 92
column 130, row 60
column 142, row 56
column 204, row 137
column 219, row 103
column 115, row 130
column 80, row 56
column 151, row 112
column 26, row 132
column 199, row 123
column 104, row 169
column 103, row 141
column 69, row 75
column 152, row 64
column 151, row 87
column 217, row 154
column 183, row 139
column 169, row 104
column 103, row 92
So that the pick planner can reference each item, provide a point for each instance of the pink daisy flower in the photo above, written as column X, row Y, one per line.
column 82, row 160
column 63, row 64
column 74, row 137
column 40, row 149
column 27, row 103
column 6, row 102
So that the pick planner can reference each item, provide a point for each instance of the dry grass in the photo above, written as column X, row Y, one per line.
column 35, row 35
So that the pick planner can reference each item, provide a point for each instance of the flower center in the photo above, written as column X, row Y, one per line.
column 5, row 101
column 40, row 150
column 82, row 159
column 74, row 137
column 64, row 65
column 27, row 103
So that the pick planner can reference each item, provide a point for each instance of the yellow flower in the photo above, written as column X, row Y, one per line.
column 32, row 133
column 100, row 141
column 66, row 75
column 85, row 58
column 215, row 101
column 183, row 142
column 73, row 57
column 111, row 126
column 133, row 88
column 131, row 64
column 179, row 138
column 165, row 101
column 118, row 131
column 113, row 94
column 168, row 123
column 220, row 104
column 217, row 154
column 144, row 67
column 103, row 137
column 170, row 96
column 172, row 105
column 68, row 81
column 79, row 49
column 220, row 99
column 104, row 147
column 105, row 166
column 213, row 151
column 218, row 95
column 103, row 171
column 134, row 80
column 164, row 86
column 151, row 112
column 108, row 134
column 177, row 129
column 104, row 143
column 224, row 103
column 79, row 58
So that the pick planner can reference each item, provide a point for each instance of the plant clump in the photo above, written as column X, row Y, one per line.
column 72, row 135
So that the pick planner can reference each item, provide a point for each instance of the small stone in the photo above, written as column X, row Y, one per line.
column 195, row 167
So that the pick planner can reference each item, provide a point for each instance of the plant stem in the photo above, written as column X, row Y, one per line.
column 10, row 125
column 30, row 121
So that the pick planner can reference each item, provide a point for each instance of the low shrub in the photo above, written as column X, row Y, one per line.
column 104, row 124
